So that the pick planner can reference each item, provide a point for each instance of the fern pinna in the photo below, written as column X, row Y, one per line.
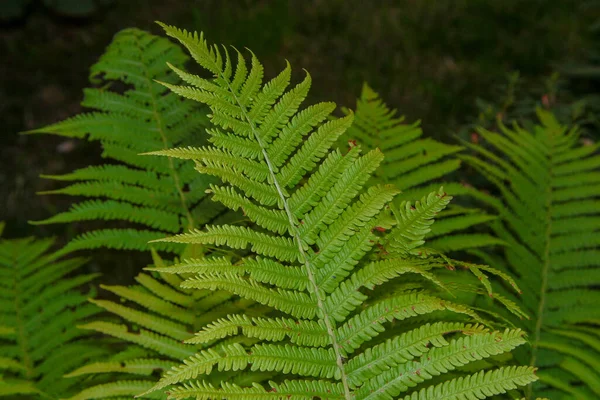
column 415, row 164
column 40, row 306
column 146, row 197
column 149, row 324
column 316, row 226
column 550, row 216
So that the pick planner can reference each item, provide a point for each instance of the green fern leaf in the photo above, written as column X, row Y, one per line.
column 162, row 195
column 479, row 385
column 40, row 306
column 149, row 325
column 548, row 216
column 322, row 233
column 414, row 164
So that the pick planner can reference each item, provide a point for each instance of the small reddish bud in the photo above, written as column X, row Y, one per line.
column 546, row 101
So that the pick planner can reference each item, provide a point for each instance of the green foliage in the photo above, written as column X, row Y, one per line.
column 311, row 257
column 146, row 197
column 550, row 215
column 40, row 305
column 150, row 323
column 415, row 165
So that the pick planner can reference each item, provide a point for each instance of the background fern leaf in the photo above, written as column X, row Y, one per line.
column 149, row 325
column 40, row 306
column 419, row 166
column 143, row 197
column 547, row 179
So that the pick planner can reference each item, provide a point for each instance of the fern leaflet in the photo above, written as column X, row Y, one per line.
column 149, row 325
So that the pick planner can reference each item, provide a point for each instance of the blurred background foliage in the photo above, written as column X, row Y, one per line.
column 451, row 63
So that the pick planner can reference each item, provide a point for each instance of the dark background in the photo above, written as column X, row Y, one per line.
column 429, row 59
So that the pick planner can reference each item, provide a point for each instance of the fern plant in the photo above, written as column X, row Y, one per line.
column 146, row 197
column 311, row 258
column 415, row 165
column 550, row 216
column 148, row 326
column 40, row 304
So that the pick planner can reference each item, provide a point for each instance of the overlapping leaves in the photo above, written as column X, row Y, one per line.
column 149, row 325
column 418, row 166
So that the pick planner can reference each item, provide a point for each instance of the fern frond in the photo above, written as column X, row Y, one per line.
column 40, row 307
column 549, row 191
column 404, row 348
column 316, row 222
column 162, row 195
column 414, row 165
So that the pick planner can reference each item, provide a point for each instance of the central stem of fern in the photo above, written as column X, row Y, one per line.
column 163, row 137
column 546, row 265
column 296, row 234
column 21, row 334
